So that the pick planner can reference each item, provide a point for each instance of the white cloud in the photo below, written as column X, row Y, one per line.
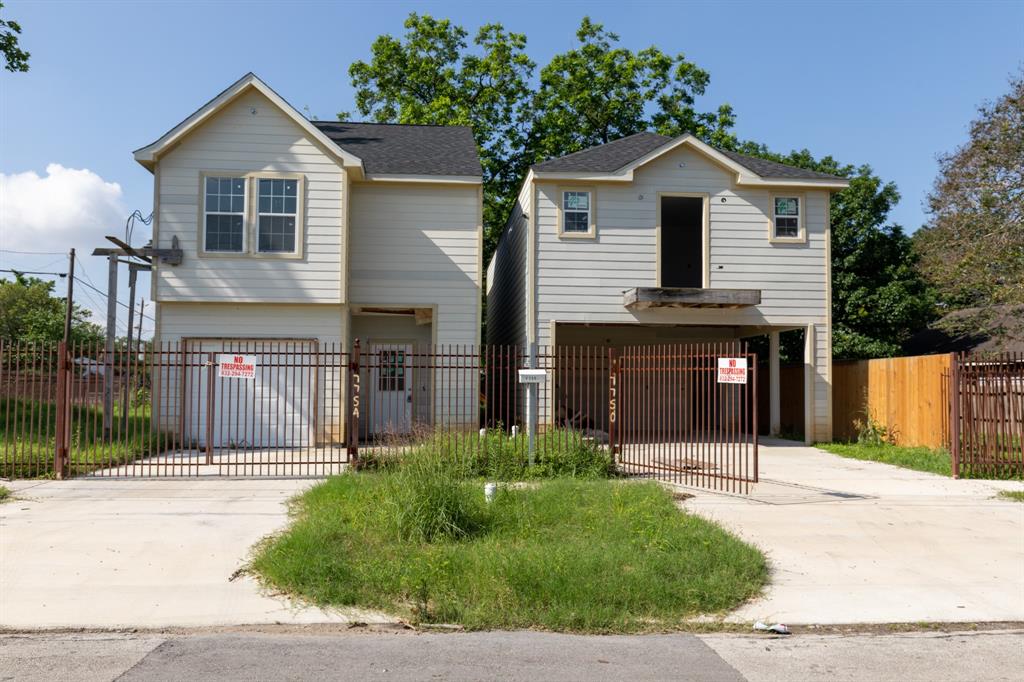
column 66, row 207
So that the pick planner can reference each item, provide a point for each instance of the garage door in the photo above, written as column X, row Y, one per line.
column 251, row 393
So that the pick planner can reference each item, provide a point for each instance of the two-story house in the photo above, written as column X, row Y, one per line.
column 315, row 233
column 652, row 240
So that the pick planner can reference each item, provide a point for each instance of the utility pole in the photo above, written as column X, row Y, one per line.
column 142, row 310
column 71, row 296
column 108, row 369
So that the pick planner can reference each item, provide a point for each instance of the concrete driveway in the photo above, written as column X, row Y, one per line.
column 142, row 553
column 862, row 542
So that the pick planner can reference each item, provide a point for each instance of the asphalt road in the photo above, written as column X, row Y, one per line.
column 975, row 656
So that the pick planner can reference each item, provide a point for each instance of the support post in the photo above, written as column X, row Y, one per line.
column 108, row 359
column 613, row 402
column 954, row 412
column 211, row 378
column 531, row 407
column 774, row 386
column 63, row 407
column 354, row 406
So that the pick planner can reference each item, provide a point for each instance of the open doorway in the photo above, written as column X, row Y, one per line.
column 682, row 241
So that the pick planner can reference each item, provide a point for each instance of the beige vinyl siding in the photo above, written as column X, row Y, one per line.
column 584, row 280
column 506, row 297
column 236, row 142
column 418, row 245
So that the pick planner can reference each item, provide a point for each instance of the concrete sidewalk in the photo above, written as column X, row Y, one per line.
column 143, row 553
column 862, row 542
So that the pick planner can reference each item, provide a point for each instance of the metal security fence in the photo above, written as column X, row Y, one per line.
column 302, row 407
column 688, row 414
column 987, row 415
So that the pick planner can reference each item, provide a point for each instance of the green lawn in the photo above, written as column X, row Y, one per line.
column 916, row 458
column 1015, row 495
column 27, row 437
column 579, row 555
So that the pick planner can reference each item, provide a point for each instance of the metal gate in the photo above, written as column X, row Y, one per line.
column 300, row 407
column 687, row 414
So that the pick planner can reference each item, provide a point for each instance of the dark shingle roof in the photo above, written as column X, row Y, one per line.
column 407, row 149
column 605, row 158
column 772, row 169
column 609, row 157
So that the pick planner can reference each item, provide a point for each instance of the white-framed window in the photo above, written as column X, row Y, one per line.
column 224, row 209
column 786, row 217
column 276, row 215
column 577, row 212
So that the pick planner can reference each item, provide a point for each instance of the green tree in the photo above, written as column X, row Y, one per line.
column 29, row 312
column 600, row 92
column 972, row 249
column 878, row 297
column 15, row 58
column 432, row 76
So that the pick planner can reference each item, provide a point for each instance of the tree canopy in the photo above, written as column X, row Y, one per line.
column 972, row 249
column 29, row 312
column 599, row 92
column 432, row 76
column 15, row 58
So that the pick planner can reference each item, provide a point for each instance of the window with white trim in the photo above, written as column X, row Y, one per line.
column 277, row 210
column 786, row 217
column 224, row 215
column 576, row 212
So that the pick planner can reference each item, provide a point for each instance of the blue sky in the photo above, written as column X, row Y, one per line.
column 891, row 84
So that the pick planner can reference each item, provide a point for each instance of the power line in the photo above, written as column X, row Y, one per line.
column 35, row 272
column 103, row 294
column 34, row 253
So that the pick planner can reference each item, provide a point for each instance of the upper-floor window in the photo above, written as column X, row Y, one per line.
column 255, row 214
column 577, row 212
column 278, row 207
column 224, row 215
column 786, row 217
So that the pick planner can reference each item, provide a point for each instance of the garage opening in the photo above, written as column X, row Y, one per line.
column 682, row 241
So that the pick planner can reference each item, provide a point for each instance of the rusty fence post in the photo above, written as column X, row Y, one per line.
column 613, row 401
column 211, row 376
column 954, row 412
column 63, row 407
column 354, row 387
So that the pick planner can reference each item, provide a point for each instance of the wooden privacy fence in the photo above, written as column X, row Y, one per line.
column 909, row 396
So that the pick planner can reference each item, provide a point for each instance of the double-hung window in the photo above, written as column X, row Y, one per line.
column 277, row 214
column 786, row 217
column 224, row 215
column 577, row 213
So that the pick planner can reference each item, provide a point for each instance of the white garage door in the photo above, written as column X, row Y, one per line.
column 266, row 402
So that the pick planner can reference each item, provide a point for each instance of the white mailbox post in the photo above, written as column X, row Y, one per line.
column 531, row 378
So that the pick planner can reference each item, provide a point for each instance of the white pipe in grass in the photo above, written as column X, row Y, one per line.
column 489, row 490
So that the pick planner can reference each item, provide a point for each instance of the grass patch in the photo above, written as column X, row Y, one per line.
column 5, row 494
column 28, row 435
column 916, row 458
column 1015, row 495
column 933, row 461
column 575, row 555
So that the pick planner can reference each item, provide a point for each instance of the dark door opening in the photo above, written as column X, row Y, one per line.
column 682, row 242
